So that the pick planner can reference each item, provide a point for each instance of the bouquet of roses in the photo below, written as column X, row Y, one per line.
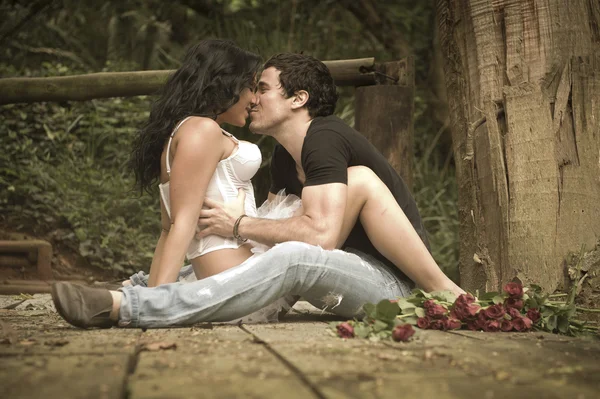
column 515, row 309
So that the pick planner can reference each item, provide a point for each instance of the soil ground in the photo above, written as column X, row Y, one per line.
column 43, row 357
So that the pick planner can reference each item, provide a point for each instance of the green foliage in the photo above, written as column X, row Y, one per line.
column 557, row 316
column 378, row 323
column 62, row 176
column 436, row 193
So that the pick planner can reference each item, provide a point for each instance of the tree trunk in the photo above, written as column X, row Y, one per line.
column 523, row 82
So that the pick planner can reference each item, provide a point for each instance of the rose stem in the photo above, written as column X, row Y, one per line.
column 587, row 310
column 585, row 322
column 556, row 295
column 577, row 307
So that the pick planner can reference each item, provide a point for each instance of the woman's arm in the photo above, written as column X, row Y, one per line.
column 198, row 151
column 165, row 224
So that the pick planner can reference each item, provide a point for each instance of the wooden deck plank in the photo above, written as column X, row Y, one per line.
column 222, row 362
column 441, row 365
column 39, row 332
column 63, row 376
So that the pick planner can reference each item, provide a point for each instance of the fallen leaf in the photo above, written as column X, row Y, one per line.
column 502, row 375
column 156, row 346
column 14, row 305
column 387, row 356
column 428, row 355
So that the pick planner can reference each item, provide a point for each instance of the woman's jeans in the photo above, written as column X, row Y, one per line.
column 337, row 281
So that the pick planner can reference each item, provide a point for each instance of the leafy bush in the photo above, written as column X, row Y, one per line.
column 62, row 175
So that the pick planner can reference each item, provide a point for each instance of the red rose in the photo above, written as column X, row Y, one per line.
column 513, row 303
column 534, row 314
column 514, row 290
column 465, row 299
column 491, row 326
column 402, row 332
column 473, row 325
column 472, row 309
column 459, row 312
column 459, row 307
column 527, row 321
column 465, row 311
column 522, row 324
column 345, row 330
column 506, row 325
column 428, row 303
column 494, row 312
column 423, row 322
column 436, row 324
column 436, row 311
column 513, row 313
column 452, row 324
column 481, row 321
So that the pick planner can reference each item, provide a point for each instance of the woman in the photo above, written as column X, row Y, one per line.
column 184, row 148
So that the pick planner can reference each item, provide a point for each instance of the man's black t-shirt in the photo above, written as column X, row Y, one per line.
column 330, row 148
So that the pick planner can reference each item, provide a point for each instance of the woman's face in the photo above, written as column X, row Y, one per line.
column 237, row 114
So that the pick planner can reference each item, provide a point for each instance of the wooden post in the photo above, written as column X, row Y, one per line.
column 384, row 114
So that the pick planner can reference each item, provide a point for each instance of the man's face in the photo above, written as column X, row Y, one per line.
column 272, row 107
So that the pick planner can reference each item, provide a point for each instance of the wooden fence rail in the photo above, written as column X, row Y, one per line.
column 357, row 72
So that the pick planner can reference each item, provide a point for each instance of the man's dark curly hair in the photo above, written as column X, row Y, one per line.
column 209, row 81
column 303, row 72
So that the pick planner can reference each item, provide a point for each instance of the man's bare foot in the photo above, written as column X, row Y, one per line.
column 452, row 287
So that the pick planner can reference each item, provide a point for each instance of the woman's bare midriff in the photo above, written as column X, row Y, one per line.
column 217, row 261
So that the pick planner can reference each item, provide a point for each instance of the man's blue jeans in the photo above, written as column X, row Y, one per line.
column 336, row 281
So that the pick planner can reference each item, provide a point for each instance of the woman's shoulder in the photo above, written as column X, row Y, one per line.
column 198, row 140
column 197, row 129
column 200, row 123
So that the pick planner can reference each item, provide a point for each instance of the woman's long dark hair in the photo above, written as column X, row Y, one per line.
column 210, row 80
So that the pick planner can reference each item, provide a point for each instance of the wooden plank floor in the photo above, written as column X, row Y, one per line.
column 41, row 356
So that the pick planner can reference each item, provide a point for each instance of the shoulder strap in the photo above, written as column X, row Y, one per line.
column 230, row 135
column 170, row 141
column 173, row 134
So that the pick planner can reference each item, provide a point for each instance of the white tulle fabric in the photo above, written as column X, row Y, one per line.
column 282, row 207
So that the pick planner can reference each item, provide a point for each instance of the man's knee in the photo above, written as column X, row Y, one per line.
column 363, row 178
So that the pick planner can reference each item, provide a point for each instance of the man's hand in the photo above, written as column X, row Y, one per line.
column 218, row 218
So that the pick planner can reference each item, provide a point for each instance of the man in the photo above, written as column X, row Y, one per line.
column 377, row 222
column 295, row 102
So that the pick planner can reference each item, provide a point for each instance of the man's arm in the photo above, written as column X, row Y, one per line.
column 319, row 224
